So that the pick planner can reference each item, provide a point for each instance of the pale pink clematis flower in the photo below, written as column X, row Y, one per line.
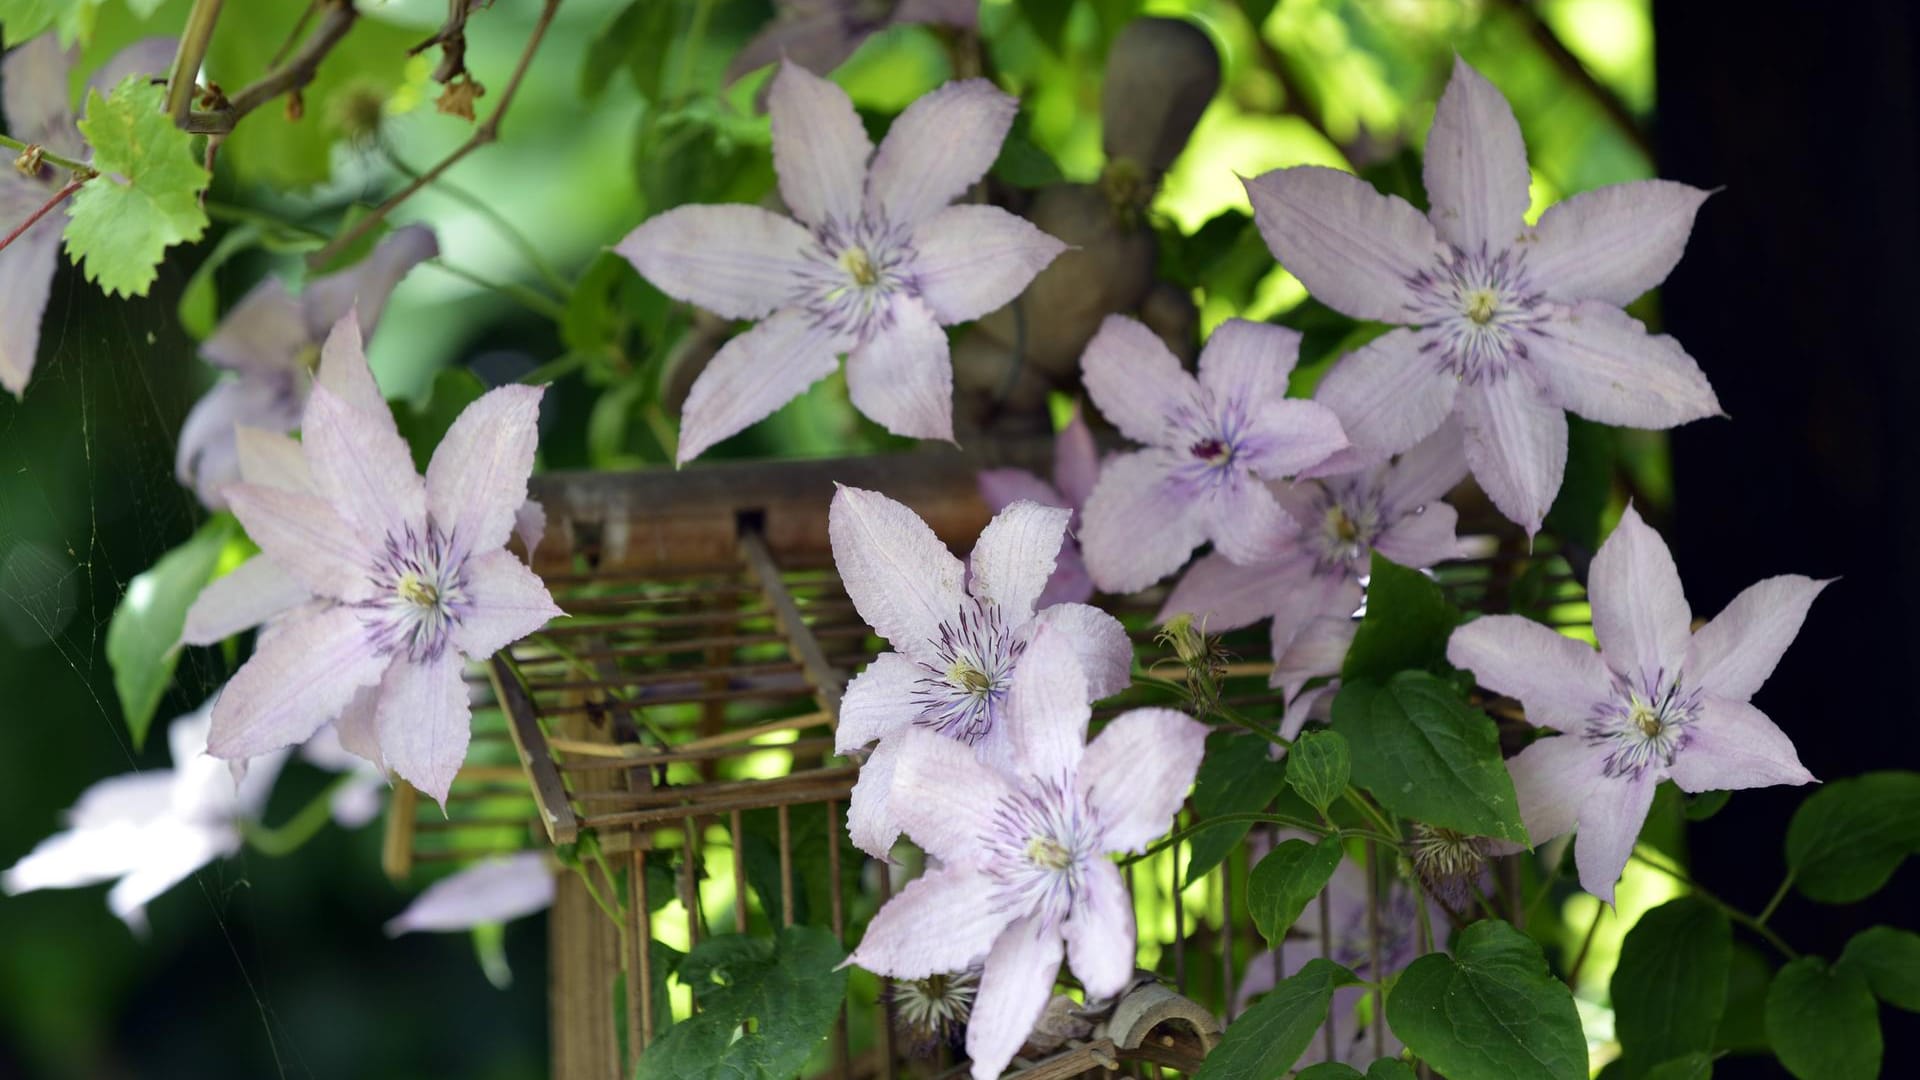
column 38, row 111
column 1334, row 525
column 1211, row 442
column 495, row 891
column 959, row 637
column 1076, row 465
column 1023, row 872
column 875, row 265
column 1657, row 702
column 1506, row 326
column 819, row 35
column 405, row 577
column 148, row 831
column 271, row 342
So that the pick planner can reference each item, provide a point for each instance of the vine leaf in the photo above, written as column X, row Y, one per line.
column 147, row 196
column 1490, row 1009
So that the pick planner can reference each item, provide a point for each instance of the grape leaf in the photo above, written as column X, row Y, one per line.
column 147, row 196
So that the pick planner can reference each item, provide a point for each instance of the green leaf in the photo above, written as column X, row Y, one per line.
column 425, row 423
column 1823, row 1022
column 147, row 196
column 1587, row 486
column 1048, row 19
column 74, row 19
column 1743, row 1028
column 1406, row 626
column 1889, row 959
column 1390, row 1069
column 1706, row 804
column 1490, row 1009
column 1329, row 1070
column 1694, row 1066
column 1269, row 1037
column 784, row 990
column 1846, row 840
column 1425, row 754
column 1022, row 162
column 144, row 634
column 200, row 300
column 1670, row 986
column 1257, row 11
column 1237, row 776
column 1318, row 767
column 639, row 38
column 1291, row 875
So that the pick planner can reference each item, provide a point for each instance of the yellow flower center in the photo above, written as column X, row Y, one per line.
column 1342, row 525
column 309, row 358
column 1481, row 304
column 415, row 591
column 859, row 266
column 1045, row 851
column 1645, row 718
column 969, row 678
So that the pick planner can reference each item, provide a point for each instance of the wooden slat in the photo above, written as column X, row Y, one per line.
column 531, row 744
column 828, row 681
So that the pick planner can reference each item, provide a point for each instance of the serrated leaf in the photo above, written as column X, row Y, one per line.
column 144, row 634
column 1283, row 883
column 147, row 196
column 1407, row 624
column 1694, row 1066
column 1847, row 839
column 73, row 20
column 1823, row 1022
column 784, row 990
column 1491, row 1009
column 1268, row 1038
column 1425, row 754
column 1889, row 959
column 1237, row 776
column 1669, row 989
column 1318, row 767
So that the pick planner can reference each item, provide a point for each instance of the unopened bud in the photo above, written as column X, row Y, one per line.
column 29, row 161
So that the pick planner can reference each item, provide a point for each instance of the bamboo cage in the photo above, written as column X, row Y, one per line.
column 680, row 723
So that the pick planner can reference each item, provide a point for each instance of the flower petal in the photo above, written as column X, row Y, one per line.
column 424, row 722
column 964, row 14
column 170, row 855
column 1552, row 777
column 1476, row 165
column 740, row 262
column 1730, row 746
column 1047, row 708
column 1317, row 596
column 1516, row 446
column 1244, row 520
column 878, row 702
column 1426, row 472
column 820, row 148
column 1318, row 649
column 930, row 768
column 1135, row 488
column 1069, row 584
column 362, row 468
column 953, row 899
column 265, row 332
column 1224, row 595
column 1248, row 362
column 1614, row 243
column 1076, row 460
column 1558, row 680
column 1136, row 774
column 495, row 891
column 477, row 480
column 304, row 537
column 753, row 375
column 903, row 581
column 148, row 56
column 358, row 726
column 272, row 459
column 1354, row 248
column 972, row 259
column 1001, row 488
column 1135, row 380
column 207, row 457
column 902, row 377
column 1100, row 932
column 345, row 373
column 1388, row 394
column 1422, row 539
column 27, row 266
column 870, row 821
column 530, row 526
column 34, row 78
column 937, row 149
column 818, row 40
column 1732, row 655
column 505, row 602
column 1015, row 556
column 1610, row 820
column 1599, row 361
column 252, row 593
column 300, row 677
column 1014, row 989
column 1640, row 612
column 364, row 287
column 1285, row 437
column 1100, row 643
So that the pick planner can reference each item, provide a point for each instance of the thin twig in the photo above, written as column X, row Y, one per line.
column 513, row 236
column 184, row 75
column 47, row 156
column 484, row 134
column 1326, row 953
column 294, row 35
column 452, row 39
column 1373, row 956
column 59, row 197
column 292, row 75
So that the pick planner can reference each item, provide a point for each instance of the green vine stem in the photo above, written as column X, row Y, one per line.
column 1757, row 925
column 291, row 836
column 1258, row 819
column 80, row 168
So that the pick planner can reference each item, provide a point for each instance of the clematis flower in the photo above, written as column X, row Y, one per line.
column 875, row 265
column 1210, row 442
column 959, row 639
column 495, row 891
column 147, row 831
column 271, row 342
column 1318, row 651
column 35, row 98
column 1076, row 465
column 1024, row 875
column 406, row 578
column 1657, row 702
column 1325, row 547
column 1507, row 327
column 819, row 35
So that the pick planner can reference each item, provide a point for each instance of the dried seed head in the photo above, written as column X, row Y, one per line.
column 932, row 1012
column 1201, row 655
column 1447, row 861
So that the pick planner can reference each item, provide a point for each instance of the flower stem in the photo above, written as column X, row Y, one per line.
column 480, row 206
column 1758, row 926
column 50, row 157
column 538, row 303
column 1779, row 894
column 59, row 197
column 303, row 826
column 1259, row 819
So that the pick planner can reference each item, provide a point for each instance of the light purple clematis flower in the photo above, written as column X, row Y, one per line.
column 271, row 341
column 1211, row 442
column 1023, row 871
column 1334, row 524
column 875, row 265
column 495, row 891
column 1508, row 327
column 149, row 830
column 406, row 579
column 819, row 35
column 959, row 637
column 38, row 111
column 1076, row 465
column 1657, row 702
